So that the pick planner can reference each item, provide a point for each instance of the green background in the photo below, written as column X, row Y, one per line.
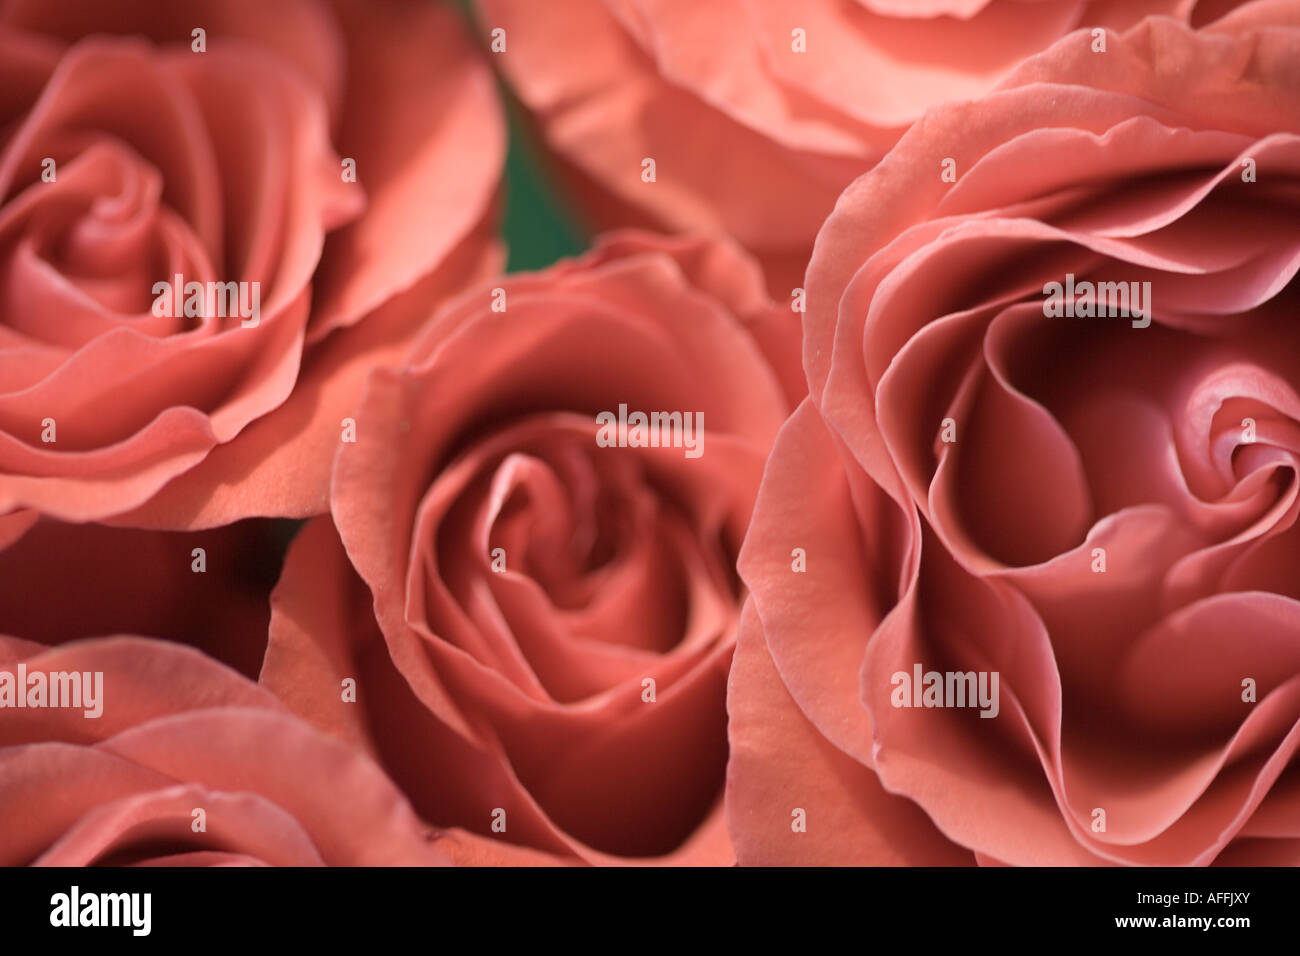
column 536, row 226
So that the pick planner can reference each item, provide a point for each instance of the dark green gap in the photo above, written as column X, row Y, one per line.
column 537, row 228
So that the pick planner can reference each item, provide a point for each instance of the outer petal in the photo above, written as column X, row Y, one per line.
column 781, row 763
column 178, row 731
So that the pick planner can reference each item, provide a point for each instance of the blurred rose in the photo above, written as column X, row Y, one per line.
column 750, row 134
column 178, row 733
column 539, row 626
column 1103, row 515
column 222, row 165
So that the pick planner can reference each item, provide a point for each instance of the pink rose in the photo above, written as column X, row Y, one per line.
column 758, row 113
column 185, row 764
column 537, row 610
column 157, row 152
column 1083, row 526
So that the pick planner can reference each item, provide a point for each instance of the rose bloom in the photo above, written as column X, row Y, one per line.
column 1098, row 511
column 539, row 627
column 755, row 128
column 178, row 733
column 129, row 157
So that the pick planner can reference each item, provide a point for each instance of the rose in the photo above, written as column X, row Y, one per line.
column 1099, row 511
column 225, row 164
column 538, row 627
column 758, row 113
column 178, row 733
